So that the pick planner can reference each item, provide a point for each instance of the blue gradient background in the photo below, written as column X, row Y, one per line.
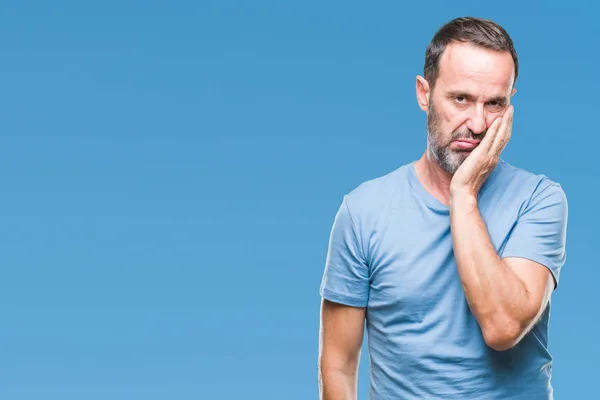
column 170, row 173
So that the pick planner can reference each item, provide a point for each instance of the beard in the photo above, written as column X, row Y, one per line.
column 449, row 160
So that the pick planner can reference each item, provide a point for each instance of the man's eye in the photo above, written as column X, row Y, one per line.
column 495, row 104
column 460, row 99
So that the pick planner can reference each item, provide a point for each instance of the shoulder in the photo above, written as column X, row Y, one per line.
column 372, row 195
column 529, row 187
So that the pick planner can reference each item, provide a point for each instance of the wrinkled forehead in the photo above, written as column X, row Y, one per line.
column 466, row 67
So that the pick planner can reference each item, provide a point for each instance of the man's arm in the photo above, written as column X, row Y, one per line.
column 340, row 342
column 506, row 296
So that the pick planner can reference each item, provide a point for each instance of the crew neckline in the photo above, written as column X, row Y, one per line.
column 428, row 198
column 423, row 194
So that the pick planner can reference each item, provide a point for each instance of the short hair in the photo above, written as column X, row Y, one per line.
column 478, row 32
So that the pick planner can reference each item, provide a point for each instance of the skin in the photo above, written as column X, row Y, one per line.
column 470, row 100
column 340, row 342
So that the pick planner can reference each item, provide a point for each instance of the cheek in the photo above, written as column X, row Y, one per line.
column 450, row 120
column 452, row 117
column 491, row 117
column 456, row 123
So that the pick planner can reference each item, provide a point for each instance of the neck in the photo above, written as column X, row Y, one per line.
column 434, row 179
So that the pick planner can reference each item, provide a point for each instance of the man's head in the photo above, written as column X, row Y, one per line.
column 471, row 68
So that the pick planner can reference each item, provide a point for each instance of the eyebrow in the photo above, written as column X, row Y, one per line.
column 502, row 100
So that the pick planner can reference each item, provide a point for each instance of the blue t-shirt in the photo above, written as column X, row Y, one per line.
column 391, row 251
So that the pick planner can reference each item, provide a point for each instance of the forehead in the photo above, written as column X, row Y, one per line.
column 465, row 67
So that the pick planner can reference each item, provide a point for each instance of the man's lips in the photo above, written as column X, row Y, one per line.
column 466, row 144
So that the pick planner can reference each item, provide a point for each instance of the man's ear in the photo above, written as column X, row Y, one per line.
column 513, row 92
column 423, row 93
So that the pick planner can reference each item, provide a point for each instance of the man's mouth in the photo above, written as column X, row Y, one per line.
column 466, row 144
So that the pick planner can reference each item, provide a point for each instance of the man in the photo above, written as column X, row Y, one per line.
column 450, row 260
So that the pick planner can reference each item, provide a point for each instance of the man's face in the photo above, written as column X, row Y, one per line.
column 473, row 88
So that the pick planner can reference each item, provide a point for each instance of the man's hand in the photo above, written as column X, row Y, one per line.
column 506, row 296
column 476, row 168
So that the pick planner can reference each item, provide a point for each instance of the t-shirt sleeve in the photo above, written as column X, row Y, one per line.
column 346, row 276
column 540, row 233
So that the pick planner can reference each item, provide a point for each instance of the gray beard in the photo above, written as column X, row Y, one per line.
column 448, row 159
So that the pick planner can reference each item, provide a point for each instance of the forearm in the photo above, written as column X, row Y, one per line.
column 336, row 384
column 496, row 296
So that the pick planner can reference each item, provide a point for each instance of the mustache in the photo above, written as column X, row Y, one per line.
column 467, row 134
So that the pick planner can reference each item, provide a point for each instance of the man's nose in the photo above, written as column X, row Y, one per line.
column 477, row 123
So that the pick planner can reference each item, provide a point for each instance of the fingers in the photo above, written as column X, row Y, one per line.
column 488, row 141
column 503, row 134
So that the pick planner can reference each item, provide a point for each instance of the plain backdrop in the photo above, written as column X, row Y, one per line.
column 170, row 172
